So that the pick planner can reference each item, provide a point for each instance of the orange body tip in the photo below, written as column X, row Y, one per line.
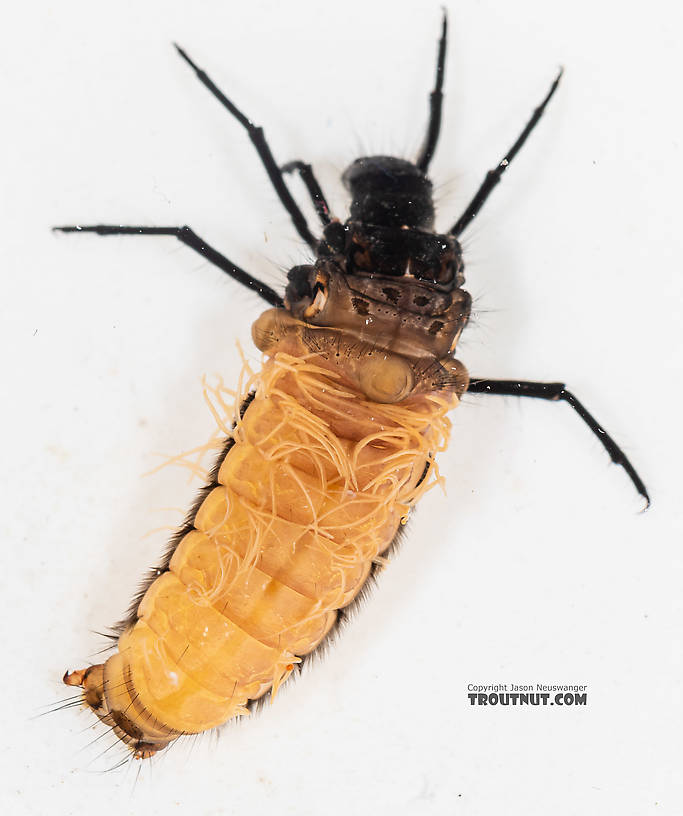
column 144, row 753
column 74, row 678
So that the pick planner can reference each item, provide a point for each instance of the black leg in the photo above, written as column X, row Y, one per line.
column 259, row 141
column 557, row 391
column 435, row 102
column 494, row 176
column 191, row 239
column 314, row 191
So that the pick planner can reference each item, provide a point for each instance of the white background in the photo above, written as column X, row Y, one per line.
column 536, row 567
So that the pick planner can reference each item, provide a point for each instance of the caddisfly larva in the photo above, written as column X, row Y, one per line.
column 333, row 444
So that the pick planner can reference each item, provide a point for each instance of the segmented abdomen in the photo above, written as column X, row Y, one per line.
column 311, row 491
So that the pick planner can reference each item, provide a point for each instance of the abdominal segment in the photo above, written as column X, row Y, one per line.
column 311, row 491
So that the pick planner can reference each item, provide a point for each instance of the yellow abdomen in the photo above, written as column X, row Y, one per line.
column 312, row 490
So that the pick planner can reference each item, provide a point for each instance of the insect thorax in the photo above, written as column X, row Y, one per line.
column 383, row 304
column 383, row 301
